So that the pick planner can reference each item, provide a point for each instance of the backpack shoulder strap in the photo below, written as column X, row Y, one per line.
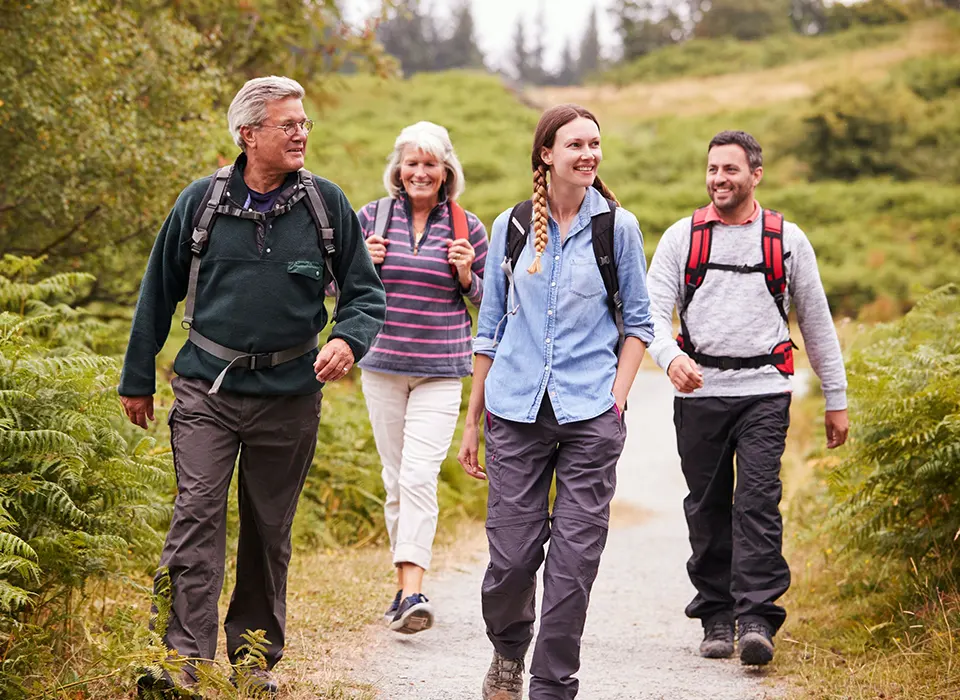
column 381, row 216
column 701, row 235
column 325, row 234
column 517, row 229
column 203, row 223
column 458, row 220
column 774, row 271
column 602, row 236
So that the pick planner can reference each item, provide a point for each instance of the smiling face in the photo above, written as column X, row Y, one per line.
column 271, row 148
column 730, row 181
column 575, row 154
column 421, row 174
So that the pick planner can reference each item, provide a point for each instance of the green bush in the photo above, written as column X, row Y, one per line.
column 79, row 493
column 899, row 486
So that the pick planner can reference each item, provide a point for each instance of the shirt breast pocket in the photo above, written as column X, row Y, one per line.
column 585, row 279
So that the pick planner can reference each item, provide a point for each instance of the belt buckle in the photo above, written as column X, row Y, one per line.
column 261, row 361
column 727, row 363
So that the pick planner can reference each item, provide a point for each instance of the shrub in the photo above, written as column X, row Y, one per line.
column 899, row 486
column 78, row 492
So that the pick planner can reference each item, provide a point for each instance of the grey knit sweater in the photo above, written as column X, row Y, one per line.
column 733, row 314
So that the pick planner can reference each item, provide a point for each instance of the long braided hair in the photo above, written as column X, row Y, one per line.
column 550, row 122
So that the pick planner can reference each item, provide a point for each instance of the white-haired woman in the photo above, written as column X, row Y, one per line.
column 430, row 254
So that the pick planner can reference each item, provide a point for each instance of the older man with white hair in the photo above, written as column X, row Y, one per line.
column 250, row 250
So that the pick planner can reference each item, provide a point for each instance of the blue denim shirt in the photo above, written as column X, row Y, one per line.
column 562, row 338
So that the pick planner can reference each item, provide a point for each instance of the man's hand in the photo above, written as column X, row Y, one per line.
column 139, row 409
column 334, row 361
column 685, row 374
column 838, row 427
column 377, row 245
column 469, row 455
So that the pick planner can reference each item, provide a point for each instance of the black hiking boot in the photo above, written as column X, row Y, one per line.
column 717, row 638
column 756, row 643
column 150, row 687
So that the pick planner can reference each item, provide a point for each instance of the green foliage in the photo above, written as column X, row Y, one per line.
column 78, row 492
column 899, row 486
column 857, row 130
column 718, row 56
column 746, row 20
column 105, row 116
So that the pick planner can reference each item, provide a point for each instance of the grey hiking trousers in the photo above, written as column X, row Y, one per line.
column 522, row 459
column 275, row 438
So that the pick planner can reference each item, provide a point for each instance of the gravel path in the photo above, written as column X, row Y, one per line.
column 638, row 645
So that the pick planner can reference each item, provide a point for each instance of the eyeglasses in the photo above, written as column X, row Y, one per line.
column 290, row 128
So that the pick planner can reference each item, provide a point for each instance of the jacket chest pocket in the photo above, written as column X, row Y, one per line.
column 308, row 269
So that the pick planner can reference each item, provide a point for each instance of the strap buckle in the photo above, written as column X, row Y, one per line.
column 263, row 360
column 199, row 240
column 728, row 363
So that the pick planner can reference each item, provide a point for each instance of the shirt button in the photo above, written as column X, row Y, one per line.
column 318, row 273
column 268, row 250
column 547, row 368
column 548, row 341
column 549, row 311
column 556, row 257
column 553, row 284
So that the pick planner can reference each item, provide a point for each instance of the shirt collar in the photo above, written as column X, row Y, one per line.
column 714, row 216
column 237, row 188
column 593, row 204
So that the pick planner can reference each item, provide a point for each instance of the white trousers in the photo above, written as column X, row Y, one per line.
column 413, row 421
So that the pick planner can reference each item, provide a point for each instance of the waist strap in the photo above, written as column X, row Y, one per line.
column 248, row 360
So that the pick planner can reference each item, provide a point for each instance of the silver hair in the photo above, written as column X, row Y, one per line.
column 433, row 139
column 249, row 107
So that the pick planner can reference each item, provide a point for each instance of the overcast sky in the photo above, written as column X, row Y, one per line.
column 496, row 19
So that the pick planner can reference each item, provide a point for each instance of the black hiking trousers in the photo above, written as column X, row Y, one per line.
column 733, row 515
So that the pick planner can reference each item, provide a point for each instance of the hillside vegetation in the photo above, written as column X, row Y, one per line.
column 864, row 159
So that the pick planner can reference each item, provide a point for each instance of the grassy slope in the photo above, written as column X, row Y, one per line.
column 904, row 233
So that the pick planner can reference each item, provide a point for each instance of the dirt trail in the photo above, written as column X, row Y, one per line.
column 637, row 645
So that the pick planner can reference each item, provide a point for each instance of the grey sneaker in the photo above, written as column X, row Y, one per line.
column 756, row 643
column 717, row 639
column 504, row 679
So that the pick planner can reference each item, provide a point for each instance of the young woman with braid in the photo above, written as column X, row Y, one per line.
column 549, row 379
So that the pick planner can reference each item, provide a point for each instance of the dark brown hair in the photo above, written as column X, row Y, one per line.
column 745, row 141
column 550, row 122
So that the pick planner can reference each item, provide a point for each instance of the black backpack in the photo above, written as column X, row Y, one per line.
column 602, row 236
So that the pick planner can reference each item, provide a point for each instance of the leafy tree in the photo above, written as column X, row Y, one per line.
column 110, row 107
column 590, row 47
column 744, row 19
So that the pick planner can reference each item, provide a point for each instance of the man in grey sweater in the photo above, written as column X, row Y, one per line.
column 731, row 371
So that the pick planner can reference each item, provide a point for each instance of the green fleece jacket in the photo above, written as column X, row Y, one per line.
column 252, row 300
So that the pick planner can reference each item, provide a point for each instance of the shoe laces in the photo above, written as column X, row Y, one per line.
column 719, row 630
column 508, row 673
column 755, row 627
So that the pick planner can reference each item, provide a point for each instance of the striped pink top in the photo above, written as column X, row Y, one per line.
column 427, row 331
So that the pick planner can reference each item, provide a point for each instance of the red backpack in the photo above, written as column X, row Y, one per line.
column 774, row 274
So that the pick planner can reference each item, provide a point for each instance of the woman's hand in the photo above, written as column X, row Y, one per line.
column 377, row 246
column 469, row 455
column 461, row 255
